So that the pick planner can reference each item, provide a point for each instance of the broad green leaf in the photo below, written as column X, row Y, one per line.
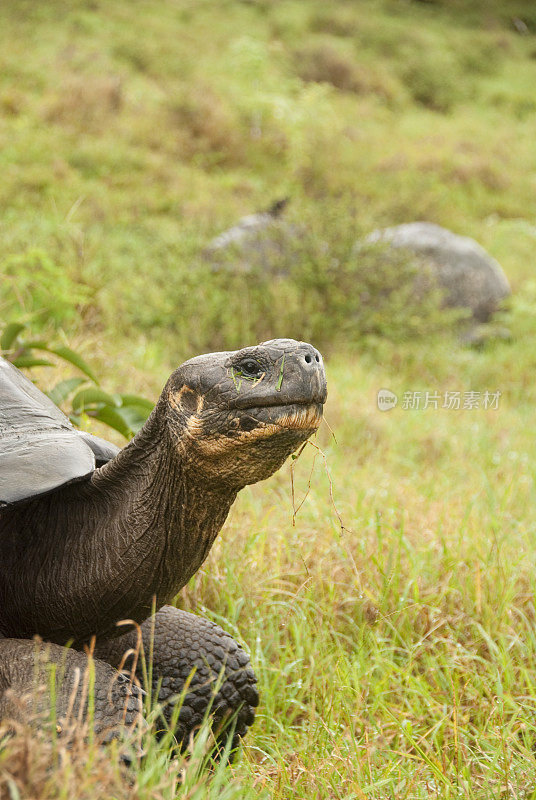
column 63, row 389
column 67, row 355
column 112, row 417
column 93, row 396
column 31, row 361
column 36, row 344
column 134, row 416
column 136, row 400
column 9, row 334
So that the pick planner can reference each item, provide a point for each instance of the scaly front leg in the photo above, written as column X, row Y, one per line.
column 186, row 646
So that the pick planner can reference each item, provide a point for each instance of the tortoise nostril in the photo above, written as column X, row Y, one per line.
column 308, row 358
column 317, row 358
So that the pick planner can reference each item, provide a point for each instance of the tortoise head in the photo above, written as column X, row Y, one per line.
column 236, row 416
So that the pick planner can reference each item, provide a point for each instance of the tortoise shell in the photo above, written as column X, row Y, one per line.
column 40, row 450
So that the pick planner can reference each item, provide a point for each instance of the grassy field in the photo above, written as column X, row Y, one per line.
column 396, row 653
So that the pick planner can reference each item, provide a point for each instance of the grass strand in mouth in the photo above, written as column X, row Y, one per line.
column 295, row 508
column 330, row 429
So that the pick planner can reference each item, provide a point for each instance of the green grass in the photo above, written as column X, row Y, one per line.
column 396, row 657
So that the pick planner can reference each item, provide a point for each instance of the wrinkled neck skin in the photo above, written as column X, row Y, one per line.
column 109, row 548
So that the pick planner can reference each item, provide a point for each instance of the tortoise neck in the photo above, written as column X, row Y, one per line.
column 166, row 516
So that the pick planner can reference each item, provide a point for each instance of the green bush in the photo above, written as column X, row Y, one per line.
column 480, row 57
column 335, row 21
column 34, row 287
column 324, row 63
column 434, row 80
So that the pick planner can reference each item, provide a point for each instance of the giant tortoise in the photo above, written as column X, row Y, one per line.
column 91, row 535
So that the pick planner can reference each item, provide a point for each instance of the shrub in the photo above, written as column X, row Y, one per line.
column 85, row 101
column 434, row 81
column 34, row 286
column 324, row 64
column 335, row 21
column 480, row 57
column 205, row 126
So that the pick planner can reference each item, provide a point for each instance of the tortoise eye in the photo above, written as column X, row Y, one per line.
column 249, row 368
